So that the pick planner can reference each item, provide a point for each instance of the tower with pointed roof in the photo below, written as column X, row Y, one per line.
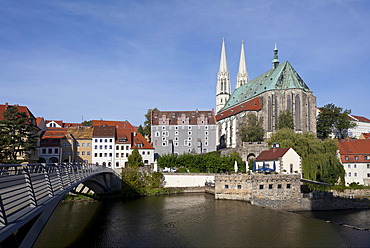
column 223, row 81
column 242, row 77
column 275, row 61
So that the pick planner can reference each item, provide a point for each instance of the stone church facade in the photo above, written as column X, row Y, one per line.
column 266, row 96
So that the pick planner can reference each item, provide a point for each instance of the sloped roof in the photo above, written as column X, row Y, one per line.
column 359, row 118
column 272, row 154
column 253, row 104
column 81, row 132
column 24, row 109
column 282, row 77
column 104, row 131
column 54, row 133
column 365, row 135
column 174, row 115
column 351, row 147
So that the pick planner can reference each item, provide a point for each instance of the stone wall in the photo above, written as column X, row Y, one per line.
column 352, row 193
column 247, row 149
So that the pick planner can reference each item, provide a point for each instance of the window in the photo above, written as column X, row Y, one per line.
column 349, row 174
column 100, row 147
column 163, row 138
column 261, row 186
column 164, row 143
column 354, row 166
column 105, row 154
column 163, row 128
column 95, row 147
column 110, row 154
column 127, row 147
column 105, row 147
column 365, row 157
column 126, row 155
column 176, row 138
column 96, row 140
column 189, row 133
column 88, row 152
column 163, row 133
column 88, row 144
column 176, row 143
column 355, row 174
column 189, row 138
column 239, row 186
column 83, row 144
column 105, row 140
column 206, row 143
column 176, row 128
column 226, row 186
column 206, row 127
column 279, row 186
column 270, row 186
column 368, row 166
column 101, row 140
column 189, row 127
column 117, row 163
column 95, row 154
column 349, row 166
column 368, row 174
column 78, row 144
column 346, row 158
column 206, row 133
column 110, row 140
column 110, row 146
column 157, row 134
column 148, row 153
column 44, row 151
column 143, row 153
column 117, row 155
column 122, row 147
column 176, row 132
column 50, row 151
column 356, row 157
column 122, row 155
column 288, row 186
column 117, row 147
column 83, row 153
column 100, row 154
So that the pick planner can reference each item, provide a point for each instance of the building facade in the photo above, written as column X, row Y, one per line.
column 279, row 89
column 50, row 150
column 354, row 154
column 178, row 132
column 362, row 126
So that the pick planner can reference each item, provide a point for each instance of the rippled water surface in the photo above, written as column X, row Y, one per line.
column 196, row 220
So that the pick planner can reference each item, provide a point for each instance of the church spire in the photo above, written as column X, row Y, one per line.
column 223, row 81
column 242, row 77
column 223, row 64
column 275, row 61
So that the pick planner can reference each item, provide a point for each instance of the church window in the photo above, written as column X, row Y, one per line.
column 276, row 110
column 289, row 103
column 221, row 100
column 297, row 113
column 269, row 114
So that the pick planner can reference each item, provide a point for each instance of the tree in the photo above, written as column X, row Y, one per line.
column 319, row 158
column 147, row 129
column 252, row 130
column 134, row 159
column 87, row 123
column 18, row 136
column 285, row 120
column 333, row 119
column 140, row 130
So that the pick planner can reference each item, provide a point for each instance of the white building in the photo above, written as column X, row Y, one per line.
column 355, row 157
column 103, row 142
column 363, row 126
column 285, row 160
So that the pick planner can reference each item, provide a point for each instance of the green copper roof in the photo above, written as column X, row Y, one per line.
column 281, row 78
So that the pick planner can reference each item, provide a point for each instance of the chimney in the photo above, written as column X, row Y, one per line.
column 132, row 139
column 6, row 105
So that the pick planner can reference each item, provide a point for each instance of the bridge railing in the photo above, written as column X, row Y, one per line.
column 27, row 186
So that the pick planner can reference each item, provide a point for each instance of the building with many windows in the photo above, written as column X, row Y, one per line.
column 103, row 142
column 51, row 145
column 362, row 126
column 77, row 145
column 355, row 157
column 179, row 132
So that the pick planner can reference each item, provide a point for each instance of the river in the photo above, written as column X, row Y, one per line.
column 197, row 220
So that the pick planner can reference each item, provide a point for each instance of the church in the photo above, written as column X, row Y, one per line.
column 279, row 89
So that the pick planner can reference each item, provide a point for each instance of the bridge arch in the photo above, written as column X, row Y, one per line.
column 40, row 188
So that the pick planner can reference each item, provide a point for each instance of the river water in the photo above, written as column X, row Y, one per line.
column 197, row 220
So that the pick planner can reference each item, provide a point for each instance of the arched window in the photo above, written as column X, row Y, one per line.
column 308, row 114
column 117, row 164
column 289, row 103
column 297, row 113
column 276, row 111
column 269, row 114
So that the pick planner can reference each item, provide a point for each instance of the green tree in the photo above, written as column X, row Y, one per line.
column 252, row 130
column 333, row 119
column 147, row 124
column 140, row 130
column 285, row 120
column 18, row 136
column 319, row 158
column 87, row 123
column 134, row 159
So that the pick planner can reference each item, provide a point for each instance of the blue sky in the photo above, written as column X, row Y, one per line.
column 113, row 60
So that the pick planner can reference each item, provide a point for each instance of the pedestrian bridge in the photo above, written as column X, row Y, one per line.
column 30, row 193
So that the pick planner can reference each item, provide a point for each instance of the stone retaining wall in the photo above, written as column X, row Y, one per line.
column 352, row 193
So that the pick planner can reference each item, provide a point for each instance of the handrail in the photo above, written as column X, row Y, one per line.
column 26, row 186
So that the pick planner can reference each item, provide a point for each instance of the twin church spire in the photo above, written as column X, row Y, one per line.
column 223, row 91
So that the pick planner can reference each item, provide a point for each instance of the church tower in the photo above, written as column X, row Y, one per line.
column 242, row 77
column 223, row 81
column 275, row 61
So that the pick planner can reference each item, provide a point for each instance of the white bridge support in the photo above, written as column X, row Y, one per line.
column 30, row 193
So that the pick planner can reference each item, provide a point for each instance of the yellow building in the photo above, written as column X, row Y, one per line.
column 77, row 145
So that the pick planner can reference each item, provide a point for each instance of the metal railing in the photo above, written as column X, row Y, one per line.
column 24, row 187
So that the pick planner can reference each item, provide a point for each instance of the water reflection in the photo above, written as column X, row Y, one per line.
column 195, row 220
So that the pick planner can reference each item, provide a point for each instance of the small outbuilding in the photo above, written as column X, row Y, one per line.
column 281, row 160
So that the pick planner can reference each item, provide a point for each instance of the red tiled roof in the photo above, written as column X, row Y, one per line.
column 254, row 105
column 366, row 135
column 39, row 120
column 20, row 109
column 54, row 133
column 272, row 154
column 104, row 131
column 358, row 118
column 351, row 147
column 192, row 116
